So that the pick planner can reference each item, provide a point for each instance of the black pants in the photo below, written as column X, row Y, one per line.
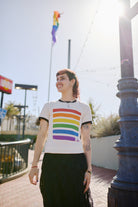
column 61, row 181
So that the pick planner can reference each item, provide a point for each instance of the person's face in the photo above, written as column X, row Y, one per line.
column 63, row 83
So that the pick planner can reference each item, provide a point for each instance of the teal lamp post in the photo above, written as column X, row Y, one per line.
column 123, row 191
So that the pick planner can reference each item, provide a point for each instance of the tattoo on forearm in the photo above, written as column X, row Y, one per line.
column 87, row 146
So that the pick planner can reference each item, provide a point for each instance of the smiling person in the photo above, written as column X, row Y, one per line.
column 65, row 130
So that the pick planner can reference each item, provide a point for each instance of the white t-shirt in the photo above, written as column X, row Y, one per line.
column 65, row 121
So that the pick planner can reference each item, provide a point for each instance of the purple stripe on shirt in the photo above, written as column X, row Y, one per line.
column 69, row 138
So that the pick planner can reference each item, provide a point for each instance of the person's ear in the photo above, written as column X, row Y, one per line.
column 73, row 82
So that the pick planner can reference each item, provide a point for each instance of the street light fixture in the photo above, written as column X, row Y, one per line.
column 25, row 87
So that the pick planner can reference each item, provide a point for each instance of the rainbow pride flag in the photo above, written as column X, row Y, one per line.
column 66, row 124
column 55, row 25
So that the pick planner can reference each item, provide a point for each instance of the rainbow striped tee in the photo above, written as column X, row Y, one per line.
column 65, row 121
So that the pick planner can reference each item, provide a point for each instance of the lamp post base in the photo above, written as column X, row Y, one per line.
column 122, row 198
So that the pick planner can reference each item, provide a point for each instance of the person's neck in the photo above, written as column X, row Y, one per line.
column 67, row 97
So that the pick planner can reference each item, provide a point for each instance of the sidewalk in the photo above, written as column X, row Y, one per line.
column 20, row 193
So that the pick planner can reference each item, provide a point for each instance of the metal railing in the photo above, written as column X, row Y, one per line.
column 13, row 158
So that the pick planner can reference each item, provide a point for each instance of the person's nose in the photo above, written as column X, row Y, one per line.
column 58, row 81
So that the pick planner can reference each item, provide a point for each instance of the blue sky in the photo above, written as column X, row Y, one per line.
column 92, row 26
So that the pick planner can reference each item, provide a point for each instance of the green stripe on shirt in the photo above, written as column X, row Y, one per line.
column 66, row 126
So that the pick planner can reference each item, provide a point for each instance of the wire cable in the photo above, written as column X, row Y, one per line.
column 87, row 37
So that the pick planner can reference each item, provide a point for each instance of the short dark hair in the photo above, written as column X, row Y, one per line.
column 71, row 75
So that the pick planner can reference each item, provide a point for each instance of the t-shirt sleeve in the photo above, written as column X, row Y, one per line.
column 45, row 112
column 86, row 116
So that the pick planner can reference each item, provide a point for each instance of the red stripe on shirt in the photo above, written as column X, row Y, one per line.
column 67, row 110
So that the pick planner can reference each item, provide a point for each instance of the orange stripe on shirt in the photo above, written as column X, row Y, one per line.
column 66, row 115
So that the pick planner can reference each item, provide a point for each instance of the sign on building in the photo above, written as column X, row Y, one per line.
column 5, row 85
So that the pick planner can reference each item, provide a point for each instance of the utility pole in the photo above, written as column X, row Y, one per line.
column 69, row 53
column 124, row 186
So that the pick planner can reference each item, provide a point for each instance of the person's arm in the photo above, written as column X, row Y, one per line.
column 41, row 138
column 85, row 136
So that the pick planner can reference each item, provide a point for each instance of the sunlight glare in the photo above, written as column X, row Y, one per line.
column 109, row 13
column 120, row 9
column 112, row 8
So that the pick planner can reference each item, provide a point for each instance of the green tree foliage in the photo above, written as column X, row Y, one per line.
column 37, row 122
column 11, row 111
column 93, row 111
column 106, row 127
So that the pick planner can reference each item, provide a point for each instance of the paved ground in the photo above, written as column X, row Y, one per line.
column 20, row 193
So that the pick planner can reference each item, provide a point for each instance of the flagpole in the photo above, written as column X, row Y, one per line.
column 50, row 67
column 54, row 29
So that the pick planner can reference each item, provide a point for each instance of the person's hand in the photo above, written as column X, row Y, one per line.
column 87, row 180
column 33, row 175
